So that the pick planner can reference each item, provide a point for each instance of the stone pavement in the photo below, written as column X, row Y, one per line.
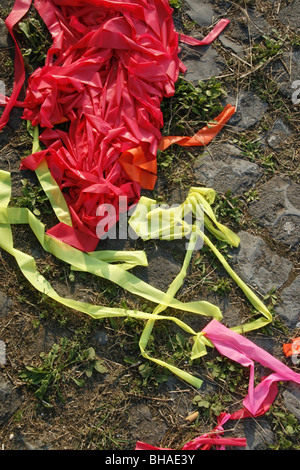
column 276, row 210
column 225, row 168
column 269, row 259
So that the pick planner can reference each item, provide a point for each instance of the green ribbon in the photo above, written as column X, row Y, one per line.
column 148, row 221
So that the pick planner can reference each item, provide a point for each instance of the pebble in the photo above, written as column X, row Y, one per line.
column 278, row 210
column 250, row 109
column 289, row 305
column 222, row 168
column 2, row 353
column 258, row 265
column 278, row 134
column 200, row 11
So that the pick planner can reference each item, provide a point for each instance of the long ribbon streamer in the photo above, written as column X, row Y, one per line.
column 151, row 221
column 107, row 265
column 258, row 400
column 20, row 9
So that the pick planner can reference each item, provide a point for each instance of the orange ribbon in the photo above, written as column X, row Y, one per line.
column 144, row 171
column 290, row 349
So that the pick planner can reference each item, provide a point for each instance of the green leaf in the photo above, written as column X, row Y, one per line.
column 100, row 367
column 79, row 382
column 289, row 429
column 204, row 404
column 24, row 27
column 89, row 371
column 91, row 353
column 216, row 408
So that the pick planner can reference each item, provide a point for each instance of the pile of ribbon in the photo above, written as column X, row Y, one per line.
column 94, row 115
column 110, row 65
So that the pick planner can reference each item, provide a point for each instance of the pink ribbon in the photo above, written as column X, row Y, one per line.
column 258, row 400
column 245, row 352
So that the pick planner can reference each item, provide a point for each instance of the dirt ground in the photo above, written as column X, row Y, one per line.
column 113, row 400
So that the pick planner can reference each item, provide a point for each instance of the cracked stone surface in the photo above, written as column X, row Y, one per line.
column 285, row 71
column 290, row 15
column 203, row 65
column 162, row 269
column 257, row 265
column 257, row 26
column 291, row 398
column 250, row 109
column 10, row 400
column 289, row 306
column 279, row 133
column 238, row 49
column 200, row 11
column 5, row 304
column 223, row 169
column 278, row 210
column 258, row 437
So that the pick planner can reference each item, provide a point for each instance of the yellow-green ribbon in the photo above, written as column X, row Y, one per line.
column 148, row 221
column 95, row 263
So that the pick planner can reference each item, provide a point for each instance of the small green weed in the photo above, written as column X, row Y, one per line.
column 210, row 406
column 192, row 105
column 152, row 374
column 230, row 375
column 271, row 298
column 268, row 90
column 59, row 365
column 179, row 348
column 229, row 208
column 34, row 198
column 250, row 149
column 251, row 195
column 287, row 429
column 165, row 159
column 296, row 41
column 222, row 287
column 175, row 349
column 35, row 42
column 269, row 162
column 253, row 150
column 268, row 48
column 176, row 4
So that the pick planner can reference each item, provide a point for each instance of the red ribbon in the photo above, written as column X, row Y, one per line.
column 20, row 9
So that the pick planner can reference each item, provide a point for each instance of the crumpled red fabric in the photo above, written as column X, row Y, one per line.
column 98, row 100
